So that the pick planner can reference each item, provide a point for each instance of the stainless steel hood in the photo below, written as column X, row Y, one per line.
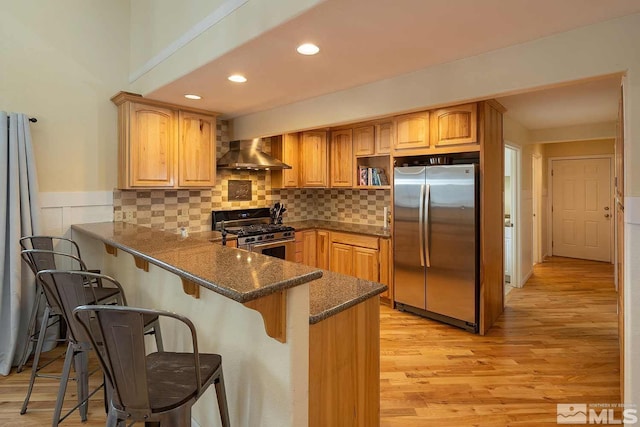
column 248, row 155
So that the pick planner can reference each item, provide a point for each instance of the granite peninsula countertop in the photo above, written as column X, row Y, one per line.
column 371, row 230
column 215, row 267
column 239, row 275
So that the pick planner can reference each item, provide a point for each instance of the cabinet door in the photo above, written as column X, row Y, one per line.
column 313, row 159
column 309, row 248
column 412, row 131
column 384, row 137
column 365, row 263
column 363, row 141
column 385, row 267
column 152, row 143
column 341, row 258
column 322, row 256
column 196, row 150
column 290, row 156
column 342, row 158
column 454, row 125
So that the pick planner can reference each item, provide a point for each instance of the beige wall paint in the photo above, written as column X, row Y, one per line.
column 591, row 131
column 61, row 62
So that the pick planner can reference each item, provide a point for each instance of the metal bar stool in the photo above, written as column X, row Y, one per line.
column 159, row 387
column 65, row 290
column 53, row 244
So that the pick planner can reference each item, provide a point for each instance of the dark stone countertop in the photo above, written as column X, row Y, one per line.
column 236, row 274
column 334, row 292
column 370, row 230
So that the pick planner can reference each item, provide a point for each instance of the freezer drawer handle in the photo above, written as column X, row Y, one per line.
column 427, row 231
column 421, row 230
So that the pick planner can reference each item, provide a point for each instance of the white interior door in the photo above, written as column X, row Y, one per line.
column 582, row 208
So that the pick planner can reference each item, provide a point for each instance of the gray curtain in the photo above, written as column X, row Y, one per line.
column 19, row 216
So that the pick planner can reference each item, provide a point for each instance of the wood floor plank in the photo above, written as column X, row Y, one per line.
column 556, row 342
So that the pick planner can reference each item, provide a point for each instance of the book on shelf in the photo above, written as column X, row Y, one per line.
column 372, row 177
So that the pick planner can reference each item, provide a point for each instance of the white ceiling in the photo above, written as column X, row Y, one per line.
column 367, row 40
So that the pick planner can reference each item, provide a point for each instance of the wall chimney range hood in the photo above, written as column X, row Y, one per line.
column 247, row 154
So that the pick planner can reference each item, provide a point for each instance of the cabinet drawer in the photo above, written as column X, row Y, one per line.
column 355, row 240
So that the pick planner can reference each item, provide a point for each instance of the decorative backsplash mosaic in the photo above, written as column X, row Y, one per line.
column 173, row 209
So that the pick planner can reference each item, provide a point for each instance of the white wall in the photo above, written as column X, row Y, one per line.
column 597, row 50
column 60, row 210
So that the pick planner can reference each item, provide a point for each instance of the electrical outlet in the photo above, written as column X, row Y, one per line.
column 128, row 216
column 118, row 216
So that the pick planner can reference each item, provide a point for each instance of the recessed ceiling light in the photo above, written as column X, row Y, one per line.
column 192, row 96
column 237, row 78
column 308, row 49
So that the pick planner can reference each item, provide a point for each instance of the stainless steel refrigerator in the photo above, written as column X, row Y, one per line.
column 436, row 271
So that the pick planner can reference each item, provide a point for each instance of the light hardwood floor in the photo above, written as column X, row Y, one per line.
column 556, row 343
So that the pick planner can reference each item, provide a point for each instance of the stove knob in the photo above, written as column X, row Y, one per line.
column 259, row 238
column 250, row 239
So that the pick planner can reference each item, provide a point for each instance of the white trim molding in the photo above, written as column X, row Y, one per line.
column 632, row 210
column 218, row 14
column 61, row 209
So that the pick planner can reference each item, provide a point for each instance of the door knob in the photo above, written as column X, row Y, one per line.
column 607, row 215
column 606, row 208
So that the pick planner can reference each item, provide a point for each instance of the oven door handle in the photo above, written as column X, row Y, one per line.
column 273, row 244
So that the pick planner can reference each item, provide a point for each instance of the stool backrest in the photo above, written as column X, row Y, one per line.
column 70, row 289
column 122, row 354
column 50, row 243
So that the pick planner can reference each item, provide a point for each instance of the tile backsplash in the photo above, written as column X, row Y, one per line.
column 173, row 209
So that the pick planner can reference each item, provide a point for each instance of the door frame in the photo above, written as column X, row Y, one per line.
column 609, row 157
column 516, row 171
column 536, row 209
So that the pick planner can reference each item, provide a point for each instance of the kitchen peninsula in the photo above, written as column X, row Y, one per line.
column 300, row 345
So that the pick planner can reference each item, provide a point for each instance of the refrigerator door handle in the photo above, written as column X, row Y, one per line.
column 421, row 224
column 427, row 231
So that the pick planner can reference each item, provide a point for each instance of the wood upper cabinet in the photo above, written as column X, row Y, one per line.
column 322, row 252
column 364, row 141
column 384, row 137
column 196, row 150
column 411, row 131
column 454, row 125
column 163, row 145
column 341, row 149
column 313, row 159
column 287, row 149
column 149, row 146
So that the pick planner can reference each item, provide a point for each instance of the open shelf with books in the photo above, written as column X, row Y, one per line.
column 372, row 172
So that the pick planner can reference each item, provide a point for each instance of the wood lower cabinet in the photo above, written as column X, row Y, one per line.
column 355, row 255
column 341, row 149
column 341, row 259
column 386, row 268
column 306, row 247
column 411, row 131
column 454, row 125
column 196, row 150
column 163, row 145
column 286, row 148
column 344, row 368
column 314, row 169
column 322, row 251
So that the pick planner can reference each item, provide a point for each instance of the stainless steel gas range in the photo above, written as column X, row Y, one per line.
column 255, row 232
